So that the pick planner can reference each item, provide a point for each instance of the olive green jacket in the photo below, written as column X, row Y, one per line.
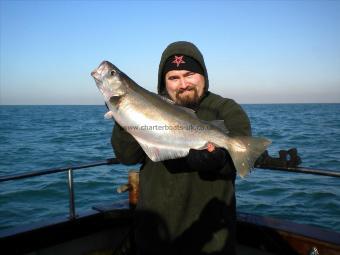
column 184, row 211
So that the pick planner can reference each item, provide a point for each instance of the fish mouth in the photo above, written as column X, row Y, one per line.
column 93, row 73
column 96, row 73
column 96, row 76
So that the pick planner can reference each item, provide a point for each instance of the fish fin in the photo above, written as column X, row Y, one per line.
column 108, row 115
column 188, row 110
column 244, row 151
column 161, row 153
column 166, row 99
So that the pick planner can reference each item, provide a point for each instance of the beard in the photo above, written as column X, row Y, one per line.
column 186, row 99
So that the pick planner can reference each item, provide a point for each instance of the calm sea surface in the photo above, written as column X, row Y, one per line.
column 40, row 137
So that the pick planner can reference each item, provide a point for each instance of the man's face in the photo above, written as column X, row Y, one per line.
column 184, row 87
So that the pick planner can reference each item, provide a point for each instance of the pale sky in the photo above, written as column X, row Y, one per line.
column 255, row 51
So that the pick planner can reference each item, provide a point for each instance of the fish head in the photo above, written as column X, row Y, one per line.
column 109, row 80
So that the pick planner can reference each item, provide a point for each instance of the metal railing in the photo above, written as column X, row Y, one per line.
column 69, row 169
column 111, row 161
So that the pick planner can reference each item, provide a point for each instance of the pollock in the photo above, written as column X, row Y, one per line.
column 165, row 130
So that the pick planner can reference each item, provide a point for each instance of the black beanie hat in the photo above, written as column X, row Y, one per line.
column 182, row 62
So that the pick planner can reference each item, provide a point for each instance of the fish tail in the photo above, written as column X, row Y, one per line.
column 244, row 151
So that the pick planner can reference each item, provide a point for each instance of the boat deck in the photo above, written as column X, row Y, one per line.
column 106, row 229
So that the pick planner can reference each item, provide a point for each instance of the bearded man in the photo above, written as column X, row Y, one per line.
column 186, row 205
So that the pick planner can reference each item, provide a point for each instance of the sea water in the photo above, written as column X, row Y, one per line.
column 43, row 137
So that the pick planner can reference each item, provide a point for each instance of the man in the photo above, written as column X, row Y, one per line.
column 186, row 205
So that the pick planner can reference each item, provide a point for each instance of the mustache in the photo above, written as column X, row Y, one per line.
column 189, row 88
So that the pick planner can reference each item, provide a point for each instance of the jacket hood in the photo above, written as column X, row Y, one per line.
column 180, row 48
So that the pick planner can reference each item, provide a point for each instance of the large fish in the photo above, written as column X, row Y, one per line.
column 166, row 130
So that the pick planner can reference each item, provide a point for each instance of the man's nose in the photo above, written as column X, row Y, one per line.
column 183, row 83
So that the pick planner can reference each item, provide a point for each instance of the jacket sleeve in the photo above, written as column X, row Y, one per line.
column 238, row 124
column 235, row 118
column 126, row 148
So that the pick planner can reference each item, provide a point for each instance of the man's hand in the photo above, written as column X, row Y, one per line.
column 204, row 160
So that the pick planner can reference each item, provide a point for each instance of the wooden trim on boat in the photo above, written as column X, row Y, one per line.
column 285, row 237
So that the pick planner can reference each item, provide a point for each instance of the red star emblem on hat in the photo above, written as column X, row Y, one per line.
column 178, row 60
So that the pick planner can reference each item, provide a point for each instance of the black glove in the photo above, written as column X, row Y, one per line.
column 203, row 160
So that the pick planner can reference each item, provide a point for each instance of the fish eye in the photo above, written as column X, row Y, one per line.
column 113, row 72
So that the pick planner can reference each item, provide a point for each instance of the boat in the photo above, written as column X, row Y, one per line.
column 108, row 228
